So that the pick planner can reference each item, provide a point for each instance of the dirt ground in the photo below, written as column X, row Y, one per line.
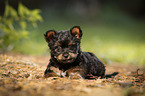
column 22, row 75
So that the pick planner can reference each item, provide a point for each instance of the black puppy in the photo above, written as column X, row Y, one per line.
column 67, row 56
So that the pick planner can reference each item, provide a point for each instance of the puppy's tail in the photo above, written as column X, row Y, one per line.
column 111, row 75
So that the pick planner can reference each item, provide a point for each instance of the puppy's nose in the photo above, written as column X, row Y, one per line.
column 65, row 55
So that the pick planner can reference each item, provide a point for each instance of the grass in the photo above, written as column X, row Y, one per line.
column 116, row 44
column 120, row 42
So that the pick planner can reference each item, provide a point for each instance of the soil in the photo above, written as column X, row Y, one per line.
column 22, row 75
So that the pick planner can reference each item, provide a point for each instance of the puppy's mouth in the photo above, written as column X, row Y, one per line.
column 66, row 59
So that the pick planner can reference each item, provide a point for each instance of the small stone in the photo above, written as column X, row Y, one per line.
column 125, row 84
column 26, row 75
column 14, row 72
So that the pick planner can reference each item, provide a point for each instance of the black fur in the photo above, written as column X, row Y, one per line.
column 66, row 54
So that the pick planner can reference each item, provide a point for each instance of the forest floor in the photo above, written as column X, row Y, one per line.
column 22, row 75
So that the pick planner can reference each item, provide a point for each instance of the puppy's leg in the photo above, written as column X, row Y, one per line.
column 49, row 71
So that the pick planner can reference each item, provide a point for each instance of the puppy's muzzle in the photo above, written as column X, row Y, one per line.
column 66, row 57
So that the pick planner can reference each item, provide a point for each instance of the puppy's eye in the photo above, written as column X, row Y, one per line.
column 57, row 49
column 72, row 46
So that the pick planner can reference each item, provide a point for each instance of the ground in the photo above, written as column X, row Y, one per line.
column 22, row 75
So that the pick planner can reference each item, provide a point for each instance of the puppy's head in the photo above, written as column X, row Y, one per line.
column 64, row 45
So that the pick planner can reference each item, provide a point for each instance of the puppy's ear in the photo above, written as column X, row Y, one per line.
column 49, row 35
column 76, row 31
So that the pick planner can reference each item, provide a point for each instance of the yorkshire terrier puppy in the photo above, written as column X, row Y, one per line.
column 66, row 55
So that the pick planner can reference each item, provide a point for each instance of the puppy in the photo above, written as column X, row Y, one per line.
column 66, row 55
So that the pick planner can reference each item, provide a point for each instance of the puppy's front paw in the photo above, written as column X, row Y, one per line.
column 52, row 74
column 90, row 76
column 75, row 76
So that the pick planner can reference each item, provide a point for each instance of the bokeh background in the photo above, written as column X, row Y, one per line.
column 113, row 29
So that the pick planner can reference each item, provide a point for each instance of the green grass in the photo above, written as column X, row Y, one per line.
column 111, row 43
column 122, row 42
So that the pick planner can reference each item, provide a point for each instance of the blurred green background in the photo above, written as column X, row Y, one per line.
column 113, row 29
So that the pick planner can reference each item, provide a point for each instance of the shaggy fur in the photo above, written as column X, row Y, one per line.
column 66, row 55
